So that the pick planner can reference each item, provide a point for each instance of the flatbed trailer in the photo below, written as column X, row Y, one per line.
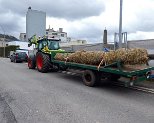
column 93, row 74
column 43, row 58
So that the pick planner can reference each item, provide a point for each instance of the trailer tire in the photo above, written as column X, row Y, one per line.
column 89, row 78
column 42, row 62
column 31, row 63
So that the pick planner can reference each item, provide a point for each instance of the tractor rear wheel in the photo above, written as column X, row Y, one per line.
column 42, row 62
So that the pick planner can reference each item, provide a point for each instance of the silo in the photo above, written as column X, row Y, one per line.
column 35, row 23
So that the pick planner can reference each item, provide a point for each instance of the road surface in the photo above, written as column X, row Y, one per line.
column 27, row 96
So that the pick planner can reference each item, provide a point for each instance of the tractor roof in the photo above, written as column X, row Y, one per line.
column 46, row 39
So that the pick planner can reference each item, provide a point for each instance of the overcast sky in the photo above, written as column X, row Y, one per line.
column 82, row 19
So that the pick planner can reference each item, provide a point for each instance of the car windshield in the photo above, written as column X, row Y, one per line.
column 21, row 53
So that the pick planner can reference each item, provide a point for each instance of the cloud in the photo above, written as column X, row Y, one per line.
column 12, row 24
column 79, row 29
column 84, row 19
column 141, row 35
column 15, row 7
column 13, row 13
column 68, row 9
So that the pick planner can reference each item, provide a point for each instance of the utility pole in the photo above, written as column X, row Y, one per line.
column 120, row 25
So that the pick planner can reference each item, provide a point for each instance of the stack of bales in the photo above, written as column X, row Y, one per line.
column 86, row 57
column 130, row 56
column 61, row 56
column 110, row 57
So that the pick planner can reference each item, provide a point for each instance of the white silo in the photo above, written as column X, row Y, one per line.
column 35, row 23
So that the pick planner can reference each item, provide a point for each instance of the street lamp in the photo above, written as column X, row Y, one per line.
column 120, row 25
column 3, row 41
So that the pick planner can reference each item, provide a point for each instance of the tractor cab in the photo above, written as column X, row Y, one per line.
column 52, row 44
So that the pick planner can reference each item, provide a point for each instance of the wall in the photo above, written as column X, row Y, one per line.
column 147, row 44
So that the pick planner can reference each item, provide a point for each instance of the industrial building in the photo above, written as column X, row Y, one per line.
column 35, row 23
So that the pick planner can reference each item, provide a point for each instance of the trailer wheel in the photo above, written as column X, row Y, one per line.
column 89, row 78
column 42, row 62
column 31, row 63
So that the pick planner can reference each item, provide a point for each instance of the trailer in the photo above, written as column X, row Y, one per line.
column 93, row 74
column 43, row 58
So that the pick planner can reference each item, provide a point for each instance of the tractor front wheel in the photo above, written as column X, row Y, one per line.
column 42, row 62
column 31, row 63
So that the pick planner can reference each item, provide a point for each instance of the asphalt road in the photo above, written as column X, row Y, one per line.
column 27, row 96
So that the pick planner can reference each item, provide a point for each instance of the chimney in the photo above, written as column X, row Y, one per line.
column 60, row 29
column 29, row 7
column 105, row 37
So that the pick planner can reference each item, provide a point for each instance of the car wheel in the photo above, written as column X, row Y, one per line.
column 11, row 60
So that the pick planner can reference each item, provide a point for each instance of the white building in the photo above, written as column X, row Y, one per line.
column 73, row 42
column 22, row 36
column 3, row 42
column 50, row 33
column 35, row 23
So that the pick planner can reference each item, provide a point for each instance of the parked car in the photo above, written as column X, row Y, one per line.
column 18, row 57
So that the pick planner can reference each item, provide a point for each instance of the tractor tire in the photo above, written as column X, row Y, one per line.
column 90, row 78
column 31, row 63
column 42, row 62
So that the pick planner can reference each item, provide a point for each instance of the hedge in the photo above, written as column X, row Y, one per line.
column 7, row 50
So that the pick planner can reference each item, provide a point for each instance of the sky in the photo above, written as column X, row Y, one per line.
column 82, row 19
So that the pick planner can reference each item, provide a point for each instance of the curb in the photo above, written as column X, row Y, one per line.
column 148, row 84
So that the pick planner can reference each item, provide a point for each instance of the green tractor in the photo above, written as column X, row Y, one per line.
column 43, row 54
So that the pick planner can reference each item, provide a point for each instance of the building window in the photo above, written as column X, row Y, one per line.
column 62, row 35
column 46, row 32
column 54, row 33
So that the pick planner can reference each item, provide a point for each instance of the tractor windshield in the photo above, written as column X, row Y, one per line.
column 53, row 45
